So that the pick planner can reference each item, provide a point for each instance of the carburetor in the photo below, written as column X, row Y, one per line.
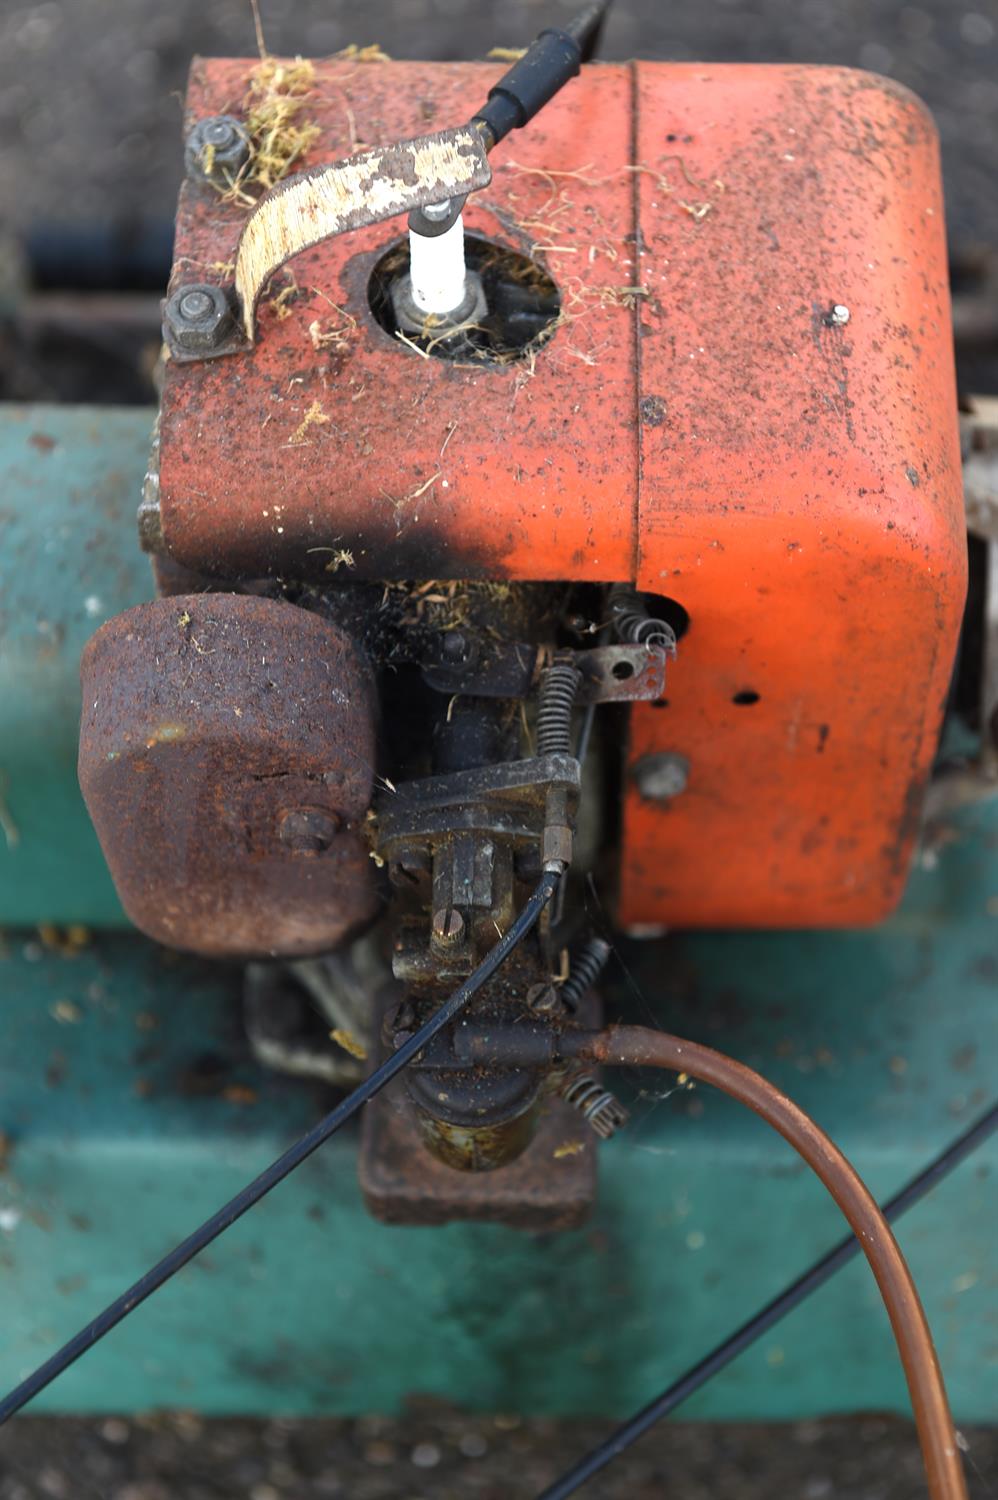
column 456, row 451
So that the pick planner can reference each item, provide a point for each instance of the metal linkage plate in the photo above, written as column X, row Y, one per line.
column 610, row 674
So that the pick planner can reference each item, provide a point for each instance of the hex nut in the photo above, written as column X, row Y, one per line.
column 412, row 320
column 217, row 149
column 661, row 775
column 197, row 318
column 556, row 846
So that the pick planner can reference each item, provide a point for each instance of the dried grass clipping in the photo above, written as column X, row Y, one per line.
column 277, row 93
column 370, row 54
column 314, row 417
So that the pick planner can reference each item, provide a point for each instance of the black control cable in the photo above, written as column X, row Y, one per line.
column 285, row 1164
column 822, row 1270
column 550, row 62
column 553, row 60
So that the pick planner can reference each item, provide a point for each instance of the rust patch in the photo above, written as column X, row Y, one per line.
column 653, row 411
column 403, row 1184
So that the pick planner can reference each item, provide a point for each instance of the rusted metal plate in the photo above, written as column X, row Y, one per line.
column 333, row 435
column 620, row 674
column 365, row 189
column 226, row 753
column 551, row 1186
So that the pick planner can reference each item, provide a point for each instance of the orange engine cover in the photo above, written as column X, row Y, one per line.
column 700, row 424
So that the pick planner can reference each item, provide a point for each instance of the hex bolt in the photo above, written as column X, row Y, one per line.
column 194, row 305
column 217, row 149
column 454, row 646
column 661, row 775
column 448, row 926
column 307, row 830
column 437, row 212
column 197, row 318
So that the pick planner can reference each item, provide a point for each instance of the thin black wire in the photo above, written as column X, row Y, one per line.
column 285, row 1164
column 771, row 1314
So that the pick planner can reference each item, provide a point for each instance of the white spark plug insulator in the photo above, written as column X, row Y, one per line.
column 436, row 269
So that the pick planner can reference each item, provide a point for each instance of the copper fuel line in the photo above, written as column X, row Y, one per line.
column 641, row 1047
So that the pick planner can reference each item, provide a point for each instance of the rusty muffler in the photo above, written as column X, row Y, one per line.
column 226, row 759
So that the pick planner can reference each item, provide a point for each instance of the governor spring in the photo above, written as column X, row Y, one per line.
column 587, row 964
column 597, row 1105
column 633, row 623
column 559, row 688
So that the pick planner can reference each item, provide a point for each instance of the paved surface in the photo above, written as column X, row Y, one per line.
column 89, row 90
column 436, row 1456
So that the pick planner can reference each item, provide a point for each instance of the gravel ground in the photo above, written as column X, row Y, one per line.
column 438, row 1455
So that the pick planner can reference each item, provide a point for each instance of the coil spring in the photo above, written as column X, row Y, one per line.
column 587, row 963
column 597, row 1105
column 634, row 624
column 556, row 699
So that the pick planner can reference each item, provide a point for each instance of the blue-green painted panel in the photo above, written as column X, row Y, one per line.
column 70, row 481
column 123, row 1091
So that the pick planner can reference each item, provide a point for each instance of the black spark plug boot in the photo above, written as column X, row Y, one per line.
column 534, row 79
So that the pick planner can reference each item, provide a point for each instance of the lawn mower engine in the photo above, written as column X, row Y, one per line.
column 469, row 441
